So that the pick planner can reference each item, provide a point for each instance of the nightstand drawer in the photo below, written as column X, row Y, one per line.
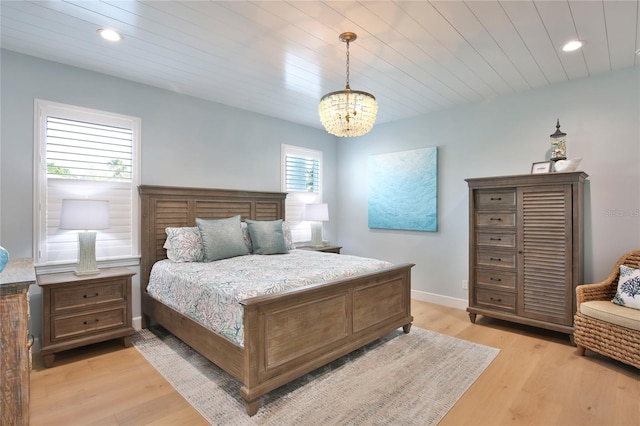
column 87, row 322
column 86, row 296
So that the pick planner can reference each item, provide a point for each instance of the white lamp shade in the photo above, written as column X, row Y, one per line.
column 318, row 212
column 84, row 214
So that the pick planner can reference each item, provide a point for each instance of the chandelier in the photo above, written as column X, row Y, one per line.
column 347, row 112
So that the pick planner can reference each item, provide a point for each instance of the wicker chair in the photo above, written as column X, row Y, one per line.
column 604, row 337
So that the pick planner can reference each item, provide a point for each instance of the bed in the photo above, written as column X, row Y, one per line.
column 286, row 334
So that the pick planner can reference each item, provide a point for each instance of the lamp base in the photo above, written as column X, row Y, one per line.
column 316, row 234
column 87, row 254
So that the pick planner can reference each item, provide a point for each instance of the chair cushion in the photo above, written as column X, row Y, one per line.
column 610, row 312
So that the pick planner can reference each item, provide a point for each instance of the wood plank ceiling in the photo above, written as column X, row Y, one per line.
column 278, row 58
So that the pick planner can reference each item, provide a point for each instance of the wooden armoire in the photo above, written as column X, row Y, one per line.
column 526, row 248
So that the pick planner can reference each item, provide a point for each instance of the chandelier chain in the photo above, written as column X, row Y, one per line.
column 348, row 65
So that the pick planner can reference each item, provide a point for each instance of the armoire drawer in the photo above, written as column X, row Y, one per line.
column 497, row 259
column 496, row 299
column 496, row 239
column 496, row 278
column 497, row 219
column 499, row 199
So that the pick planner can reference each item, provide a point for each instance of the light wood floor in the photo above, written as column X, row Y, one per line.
column 535, row 380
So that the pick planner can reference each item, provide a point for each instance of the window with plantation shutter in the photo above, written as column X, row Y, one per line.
column 302, row 174
column 301, row 180
column 83, row 153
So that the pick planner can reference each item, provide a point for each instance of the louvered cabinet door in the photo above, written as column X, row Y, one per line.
column 545, row 241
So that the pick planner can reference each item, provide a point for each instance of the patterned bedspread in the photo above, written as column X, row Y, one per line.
column 210, row 292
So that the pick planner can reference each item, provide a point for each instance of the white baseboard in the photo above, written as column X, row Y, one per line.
column 136, row 322
column 451, row 302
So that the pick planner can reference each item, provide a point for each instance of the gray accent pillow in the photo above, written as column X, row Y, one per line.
column 267, row 236
column 221, row 238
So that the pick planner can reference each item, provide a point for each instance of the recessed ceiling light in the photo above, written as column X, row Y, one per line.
column 572, row 45
column 110, row 35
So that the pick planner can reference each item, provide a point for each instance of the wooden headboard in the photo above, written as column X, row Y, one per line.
column 167, row 206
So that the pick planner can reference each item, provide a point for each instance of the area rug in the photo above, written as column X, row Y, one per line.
column 403, row 379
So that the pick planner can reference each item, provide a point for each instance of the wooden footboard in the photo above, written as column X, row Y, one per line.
column 290, row 334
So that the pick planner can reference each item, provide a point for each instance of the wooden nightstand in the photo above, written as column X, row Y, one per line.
column 81, row 310
column 326, row 249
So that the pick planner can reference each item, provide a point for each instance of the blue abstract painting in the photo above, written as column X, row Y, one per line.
column 403, row 190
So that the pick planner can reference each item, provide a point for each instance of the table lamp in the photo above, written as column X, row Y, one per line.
column 88, row 216
column 316, row 214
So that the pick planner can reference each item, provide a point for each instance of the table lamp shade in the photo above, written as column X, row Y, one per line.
column 87, row 215
column 84, row 214
column 316, row 213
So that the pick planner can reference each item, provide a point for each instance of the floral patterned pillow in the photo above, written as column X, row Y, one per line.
column 288, row 239
column 184, row 244
column 628, row 293
column 246, row 237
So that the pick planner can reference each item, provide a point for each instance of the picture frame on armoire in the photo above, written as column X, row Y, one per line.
column 541, row 167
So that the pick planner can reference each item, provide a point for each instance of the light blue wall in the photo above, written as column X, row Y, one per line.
column 502, row 137
column 185, row 142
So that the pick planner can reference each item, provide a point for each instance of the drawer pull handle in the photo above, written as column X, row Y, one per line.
column 496, row 198
column 496, row 259
column 91, row 322
column 496, row 218
column 495, row 239
column 495, row 300
column 89, row 296
column 495, row 279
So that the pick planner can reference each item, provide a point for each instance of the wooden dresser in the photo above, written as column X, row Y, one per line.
column 526, row 248
column 15, row 362
column 80, row 310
